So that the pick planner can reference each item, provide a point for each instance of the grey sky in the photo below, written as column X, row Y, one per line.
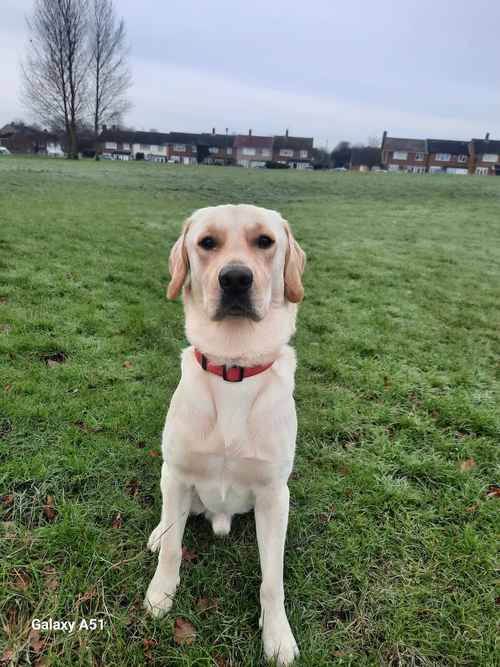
column 332, row 69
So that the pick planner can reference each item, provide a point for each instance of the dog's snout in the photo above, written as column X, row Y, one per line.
column 235, row 278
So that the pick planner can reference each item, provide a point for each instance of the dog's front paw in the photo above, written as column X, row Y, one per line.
column 155, row 538
column 279, row 642
column 159, row 598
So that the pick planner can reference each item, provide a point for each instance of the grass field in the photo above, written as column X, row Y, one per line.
column 394, row 517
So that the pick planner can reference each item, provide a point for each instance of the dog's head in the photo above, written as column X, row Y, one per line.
column 236, row 262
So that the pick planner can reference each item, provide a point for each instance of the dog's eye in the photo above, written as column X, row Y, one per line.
column 207, row 243
column 264, row 241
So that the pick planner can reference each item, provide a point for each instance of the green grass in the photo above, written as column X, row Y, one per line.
column 391, row 545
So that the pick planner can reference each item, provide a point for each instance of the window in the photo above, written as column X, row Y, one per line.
column 266, row 152
column 443, row 157
column 180, row 148
column 126, row 147
column 248, row 151
column 229, row 151
column 111, row 145
column 419, row 157
column 489, row 157
column 285, row 152
column 462, row 158
column 303, row 154
column 213, row 149
column 400, row 155
column 482, row 171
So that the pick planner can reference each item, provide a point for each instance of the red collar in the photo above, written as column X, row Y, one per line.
column 233, row 373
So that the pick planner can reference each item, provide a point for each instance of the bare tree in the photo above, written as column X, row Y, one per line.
column 55, row 69
column 109, row 71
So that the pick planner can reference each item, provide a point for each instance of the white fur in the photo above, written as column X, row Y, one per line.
column 229, row 447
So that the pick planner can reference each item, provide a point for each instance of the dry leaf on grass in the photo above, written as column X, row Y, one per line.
column 49, row 511
column 8, row 499
column 467, row 465
column 20, row 579
column 7, row 388
column 149, row 644
column 472, row 508
column 206, row 604
column 493, row 491
column 127, row 364
column 117, row 521
column 189, row 555
column 132, row 487
column 184, row 632
column 36, row 644
column 6, row 656
column 88, row 595
column 154, row 453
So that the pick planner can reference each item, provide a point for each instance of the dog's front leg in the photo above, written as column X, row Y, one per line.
column 176, row 501
column 271, row 519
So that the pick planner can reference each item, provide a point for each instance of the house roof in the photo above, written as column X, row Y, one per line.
column 155, row 138
column 293, row 143
column 216, row 140
column 252, row 141
column 486, row 146
column 118, row 136
column 182, row 138
column 398, row 144
column 12, row 129
column 447, row 146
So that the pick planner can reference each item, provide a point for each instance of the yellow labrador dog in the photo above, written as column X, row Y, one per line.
column 229, row 437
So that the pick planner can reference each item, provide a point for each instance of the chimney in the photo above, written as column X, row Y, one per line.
column 487, row 137
column 249, row 133
column 384, row 135
column 286, row 132
column 213, row 130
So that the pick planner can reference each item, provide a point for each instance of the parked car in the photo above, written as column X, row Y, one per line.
column 4, row 151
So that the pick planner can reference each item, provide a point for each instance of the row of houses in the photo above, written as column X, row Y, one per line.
column 245, row 150
column 441, row 156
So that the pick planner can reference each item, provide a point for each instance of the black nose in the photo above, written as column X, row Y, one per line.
column 235, row 278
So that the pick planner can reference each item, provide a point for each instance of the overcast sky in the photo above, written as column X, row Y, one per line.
column 331, row 69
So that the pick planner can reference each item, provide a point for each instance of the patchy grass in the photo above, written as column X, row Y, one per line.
column 391, row 539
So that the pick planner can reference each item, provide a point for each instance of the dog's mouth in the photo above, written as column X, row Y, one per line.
column 235, row 307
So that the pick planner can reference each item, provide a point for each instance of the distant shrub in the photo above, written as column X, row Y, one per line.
column 272, row 164
column 139, row 156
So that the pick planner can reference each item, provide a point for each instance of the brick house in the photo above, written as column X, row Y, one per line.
column 182, row 147
column 484, row 156
column 216, row 148
column 29, row 140
column 252, row 151
column 446, row 156
column 404, row 154
column 296, row 152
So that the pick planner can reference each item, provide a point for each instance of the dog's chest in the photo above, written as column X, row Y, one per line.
column 232, row 440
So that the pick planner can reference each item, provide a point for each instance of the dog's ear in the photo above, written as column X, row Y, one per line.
column 178, row 264
column 295, row 262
